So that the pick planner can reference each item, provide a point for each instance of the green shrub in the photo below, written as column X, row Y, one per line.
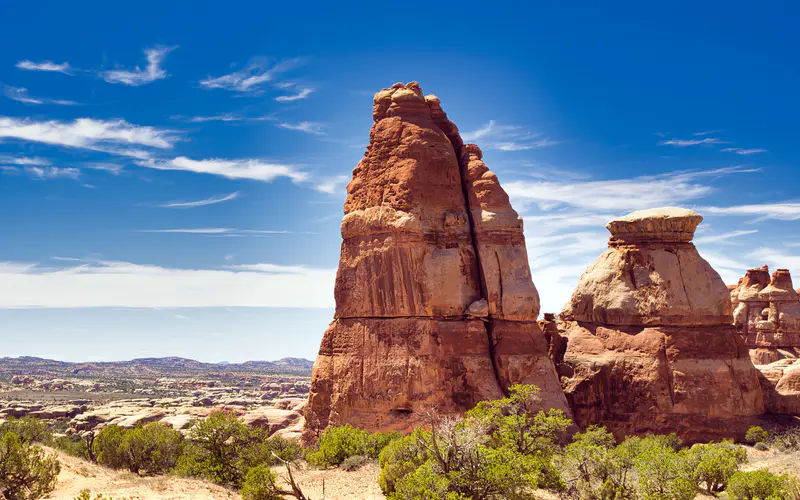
column 153, row 447
column 715, row 463
column 401, row 457
column 72, row 445
column 663, row 471
column 87, row 495
column 337, row 444
column 758, row 485
column 109, row 447
column 260, row 483
column 222, row 449
column 354, row 463
column 26, row 473
column 788, row 440
column 761, row 446
column 756, row 434
column 28, row 429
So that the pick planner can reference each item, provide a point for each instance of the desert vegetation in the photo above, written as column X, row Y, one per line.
column 500, row 449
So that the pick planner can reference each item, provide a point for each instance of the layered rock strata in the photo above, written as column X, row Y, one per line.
column 650, row 341
column 435, row 306
column 767, row 315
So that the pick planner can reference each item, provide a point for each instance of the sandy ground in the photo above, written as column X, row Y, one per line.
column 77, row 475
column 330, row 484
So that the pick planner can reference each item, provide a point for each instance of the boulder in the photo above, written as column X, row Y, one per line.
column 435, row 305
column 650, row 341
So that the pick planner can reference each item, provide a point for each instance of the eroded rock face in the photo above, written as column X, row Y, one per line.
column 767, row 315
column 650, row 345
column 435, row 306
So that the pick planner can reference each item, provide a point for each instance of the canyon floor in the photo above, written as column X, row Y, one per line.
column 330, row 484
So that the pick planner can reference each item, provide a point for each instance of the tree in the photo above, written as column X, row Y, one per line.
column 715, row 463
column 153, row 447
column 109, row 447
column 664, row 472
column 28, row 429
column 759, row 485
column 756, row 434
column 338, row 443
column 26, row 473
column 217, row 445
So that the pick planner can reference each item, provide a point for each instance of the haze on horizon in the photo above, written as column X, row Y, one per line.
column 175, row 188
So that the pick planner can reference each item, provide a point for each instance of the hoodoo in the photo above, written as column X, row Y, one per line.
column 650, row 341
column 435, row 306
column 767, row 315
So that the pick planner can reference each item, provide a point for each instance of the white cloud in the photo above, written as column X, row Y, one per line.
column 201, row 203
column 774, row 258
column 683, row 143
column 138, row 76
column 111, row 168
column 707, row 132
column 307, row 127
column 716, row 238
column 88, row 133
column 779, row 211
column 554, row 222
column 250, row 78
column 216, row 231
column 123, row 284
column 331, row 185
column 45, row 66
column 232, row 169
column 295, row 97
column 617, row 195
column 744, row 151
column 507, row 138
column 45, row 173
column 29, row 160
column 224, row 117
column 21, row 94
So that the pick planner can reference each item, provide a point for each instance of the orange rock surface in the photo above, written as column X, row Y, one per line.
column 435, row 306
column 650, row 344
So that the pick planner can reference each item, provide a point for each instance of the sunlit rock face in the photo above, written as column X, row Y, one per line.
column 767, row 316
column 650, row 341
column 435, row 305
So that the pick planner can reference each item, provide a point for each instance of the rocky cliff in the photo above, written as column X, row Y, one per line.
column 767, row 315
column 435, row 306
column 650, row 341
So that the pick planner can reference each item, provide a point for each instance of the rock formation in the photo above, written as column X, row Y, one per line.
column 767, row 315
column 435, row 306
column 650, row 341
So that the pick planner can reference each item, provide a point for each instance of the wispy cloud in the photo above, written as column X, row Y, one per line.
column 45, row 173
column 716, row 238
column 779, row 211
column 774, row 258
column 200, row 203
column 708, row 132
column 307, row 127
column 619, row 194
column 224, row 117
column 507, row 138
column 331, row 185
column 218, row 231
column 251, row 78
column 124, row 284
column 45, row 66
column 684, row 143
column 744, row 151
column 87, row 133
column 112, row 168
column 302, row 94
column 20, row 94
column 141, row 76
column 232, row 169
column 25, row 160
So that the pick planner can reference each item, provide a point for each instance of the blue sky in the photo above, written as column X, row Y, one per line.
column 172, row 175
